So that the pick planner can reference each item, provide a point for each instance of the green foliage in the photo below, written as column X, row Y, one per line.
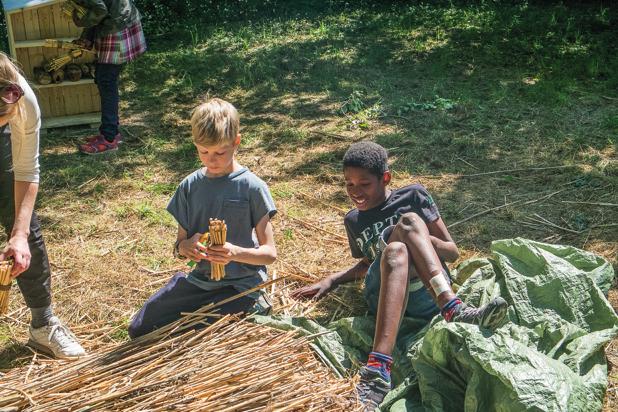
column 439, row 103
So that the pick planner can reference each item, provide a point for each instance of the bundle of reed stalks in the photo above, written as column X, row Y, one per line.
column 58, row 62
column 69, row 6
column 229, row 366
column 6, row 266
column 218, row 234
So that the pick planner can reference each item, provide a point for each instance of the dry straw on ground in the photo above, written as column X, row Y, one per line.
column 228, row 366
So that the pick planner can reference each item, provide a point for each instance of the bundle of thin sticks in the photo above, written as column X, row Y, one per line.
column 218, row 233
column 62, row 44
column 6, row 266
column 70, row 5
column 60, row 61
column 228, row 366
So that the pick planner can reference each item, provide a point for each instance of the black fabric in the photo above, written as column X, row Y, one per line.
column 364, row 227
column 34, row 283
column 178, row 296
column 106, row 78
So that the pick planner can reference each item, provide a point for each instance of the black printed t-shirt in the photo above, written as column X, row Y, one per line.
column 364, row 227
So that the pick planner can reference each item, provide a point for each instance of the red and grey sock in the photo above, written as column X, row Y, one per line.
column 381, row 363
column 451, row 308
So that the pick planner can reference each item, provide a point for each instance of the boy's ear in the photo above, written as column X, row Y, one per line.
column 386, row 177
column 237, row 140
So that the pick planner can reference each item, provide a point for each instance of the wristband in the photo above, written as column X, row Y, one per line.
column 177, row 250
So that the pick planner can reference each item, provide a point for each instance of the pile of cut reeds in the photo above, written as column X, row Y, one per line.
column 230, row 365
column 6, row 266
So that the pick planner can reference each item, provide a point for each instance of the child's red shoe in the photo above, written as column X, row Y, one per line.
column 94, row 137
column 98, row 144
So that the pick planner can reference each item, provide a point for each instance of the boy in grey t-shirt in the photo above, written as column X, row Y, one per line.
column 222, row 189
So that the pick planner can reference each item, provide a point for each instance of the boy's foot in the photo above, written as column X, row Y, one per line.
column 56, row 339
column 371, row 388
column 94, row 137
column 489, row 316
column 97, row 144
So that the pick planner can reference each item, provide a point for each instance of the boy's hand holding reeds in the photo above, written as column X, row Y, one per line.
column 314, row 291
column 18, row 249
column 191, row 248
column 222, row 254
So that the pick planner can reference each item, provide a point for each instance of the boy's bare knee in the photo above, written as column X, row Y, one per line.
column 410, row 222
column 395, row 255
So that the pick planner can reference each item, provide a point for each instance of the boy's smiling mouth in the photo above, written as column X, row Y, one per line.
column 359, row 201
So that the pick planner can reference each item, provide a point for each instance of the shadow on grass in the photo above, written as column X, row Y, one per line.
column 526, row 84
column 14, row 355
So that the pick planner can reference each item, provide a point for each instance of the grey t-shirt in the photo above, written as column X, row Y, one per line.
column 241, row 199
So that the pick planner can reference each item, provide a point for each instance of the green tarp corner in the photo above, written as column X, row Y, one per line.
column 547, row 357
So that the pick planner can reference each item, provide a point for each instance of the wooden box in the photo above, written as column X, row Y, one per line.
column 29, row 23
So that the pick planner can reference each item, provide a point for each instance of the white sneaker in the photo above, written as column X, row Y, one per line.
column 56, row 339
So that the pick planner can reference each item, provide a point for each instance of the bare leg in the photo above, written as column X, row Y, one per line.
column 412, row 231
column 393, row 296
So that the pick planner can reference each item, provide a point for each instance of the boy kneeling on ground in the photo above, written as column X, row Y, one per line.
column 402, row 243
column 225, row 190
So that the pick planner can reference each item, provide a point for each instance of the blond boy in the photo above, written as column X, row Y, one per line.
column 221, row 189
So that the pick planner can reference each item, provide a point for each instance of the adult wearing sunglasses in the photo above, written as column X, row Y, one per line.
column 19, row 183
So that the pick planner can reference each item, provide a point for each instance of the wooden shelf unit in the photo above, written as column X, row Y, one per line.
column 29, row 23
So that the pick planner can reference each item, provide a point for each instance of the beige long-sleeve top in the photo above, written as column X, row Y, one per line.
column 25, row 131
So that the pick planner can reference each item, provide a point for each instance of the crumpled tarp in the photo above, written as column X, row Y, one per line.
column 547, row 357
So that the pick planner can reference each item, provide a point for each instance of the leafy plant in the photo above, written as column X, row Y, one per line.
column 439, row 103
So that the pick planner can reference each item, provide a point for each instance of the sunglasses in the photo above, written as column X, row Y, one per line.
column 11, row 94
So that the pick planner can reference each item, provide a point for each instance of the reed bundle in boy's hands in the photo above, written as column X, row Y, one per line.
column 218, row 233
column 6, row 267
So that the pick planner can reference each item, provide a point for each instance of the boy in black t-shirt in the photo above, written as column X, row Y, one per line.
column 402, row 243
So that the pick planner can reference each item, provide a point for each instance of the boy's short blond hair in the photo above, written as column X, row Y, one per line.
column 215, row 122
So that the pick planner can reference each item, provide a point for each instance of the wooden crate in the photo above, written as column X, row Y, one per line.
column 29, row 23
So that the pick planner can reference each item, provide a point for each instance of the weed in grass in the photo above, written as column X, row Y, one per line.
column 288, row 234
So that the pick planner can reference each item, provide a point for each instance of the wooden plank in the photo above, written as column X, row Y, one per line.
column 23, row 58
column 38, row 43
column 31, row 24
column 55, row 103
column 71, row 99
column 45, row 23
column 43, row 99
column 9, row 28
column 44, row 4
column 59, row 21
column 65, row 83
column 64, row 121
column 95, row 98
column 36, row 59
column 17, row 22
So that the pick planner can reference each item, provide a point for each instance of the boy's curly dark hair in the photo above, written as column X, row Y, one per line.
column 367, row 155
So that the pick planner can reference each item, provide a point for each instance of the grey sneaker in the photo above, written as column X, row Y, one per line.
column 56, row 339
column 371, row 388
column 488, row 316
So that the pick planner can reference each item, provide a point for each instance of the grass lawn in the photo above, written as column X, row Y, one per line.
column 487, row 105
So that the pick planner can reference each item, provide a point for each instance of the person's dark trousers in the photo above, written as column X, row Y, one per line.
column 106, row 77
column 34, row 283
column 180, row 295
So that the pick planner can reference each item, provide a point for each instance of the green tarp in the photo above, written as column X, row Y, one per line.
column 547, row 357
